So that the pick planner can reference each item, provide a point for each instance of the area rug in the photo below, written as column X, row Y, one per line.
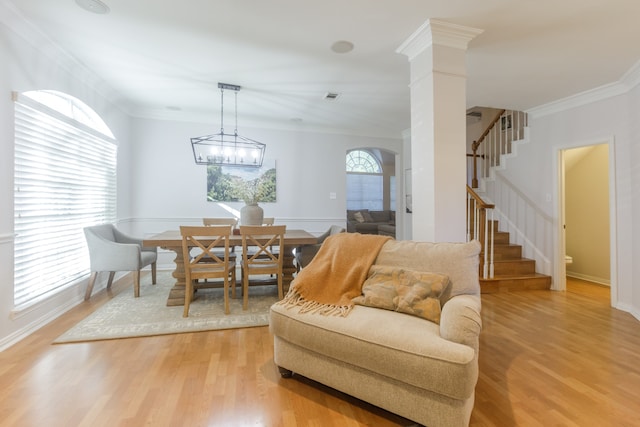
column 125, row 316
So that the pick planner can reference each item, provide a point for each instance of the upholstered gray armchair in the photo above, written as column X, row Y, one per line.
column 111, row 250
column 305, row 254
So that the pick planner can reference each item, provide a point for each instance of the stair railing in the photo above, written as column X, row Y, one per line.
column 480, row 226
column 495, row 141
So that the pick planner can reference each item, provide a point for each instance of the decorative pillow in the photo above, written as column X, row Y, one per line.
column 407, row 291
column 358, row 216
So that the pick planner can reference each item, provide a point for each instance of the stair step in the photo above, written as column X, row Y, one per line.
column 511, row 267
column 501, row 238
column 515, row 283
column 509, row 251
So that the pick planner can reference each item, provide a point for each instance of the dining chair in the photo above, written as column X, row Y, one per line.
column 207, row 238
column 265, row 259
column 112, row 250
column 220, row 221
column 223, row 221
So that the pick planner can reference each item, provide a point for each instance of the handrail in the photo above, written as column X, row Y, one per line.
column 482, row 204
column 480, row 226
column 476, row 145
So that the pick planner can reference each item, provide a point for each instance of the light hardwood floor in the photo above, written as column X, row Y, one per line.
column 546, row 359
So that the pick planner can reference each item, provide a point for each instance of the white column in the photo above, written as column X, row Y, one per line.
column 436, row 53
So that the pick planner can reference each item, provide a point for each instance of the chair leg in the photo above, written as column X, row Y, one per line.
column 110, row 281
column 226, row 295
column 90, row 283
column 280, row 292
column 153, row 273
column 188, row 292
column 136, row 283
column 233, row 283
column 245, row 289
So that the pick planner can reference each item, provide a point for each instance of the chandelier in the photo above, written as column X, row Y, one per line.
column 227, row 149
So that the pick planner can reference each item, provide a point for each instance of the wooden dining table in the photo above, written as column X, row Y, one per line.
column 172, row 240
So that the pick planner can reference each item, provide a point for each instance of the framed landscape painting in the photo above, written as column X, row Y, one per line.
column 239, row 183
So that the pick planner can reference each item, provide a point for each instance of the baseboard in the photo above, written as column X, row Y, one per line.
column 598, row 280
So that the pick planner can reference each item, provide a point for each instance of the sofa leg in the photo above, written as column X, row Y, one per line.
column 285, row 373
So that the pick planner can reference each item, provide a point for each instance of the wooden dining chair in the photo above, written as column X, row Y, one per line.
column 220, row 221
column 208, row 264
column 264, row 259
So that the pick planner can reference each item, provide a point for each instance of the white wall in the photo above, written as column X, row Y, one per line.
column 605, row 114
column 28, row 61
column 170, row 189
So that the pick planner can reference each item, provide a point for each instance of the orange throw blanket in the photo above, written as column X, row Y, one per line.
column 335, row 275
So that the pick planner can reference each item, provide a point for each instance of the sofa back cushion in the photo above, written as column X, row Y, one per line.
column 380, row 216
column 351, row 214
column 459, row 261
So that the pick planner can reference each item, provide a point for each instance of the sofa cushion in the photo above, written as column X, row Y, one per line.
column 407, row 291
column 459, row 260
column 359, row 217
column 401, row 347
column 380, row 216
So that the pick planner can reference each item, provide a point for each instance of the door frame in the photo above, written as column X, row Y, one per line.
column 560, row 269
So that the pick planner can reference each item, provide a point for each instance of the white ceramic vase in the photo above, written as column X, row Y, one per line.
column 251, row 214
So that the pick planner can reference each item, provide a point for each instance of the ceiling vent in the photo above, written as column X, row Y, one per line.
column 331, row 96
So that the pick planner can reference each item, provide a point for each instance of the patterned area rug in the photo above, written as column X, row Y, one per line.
column 125, row 316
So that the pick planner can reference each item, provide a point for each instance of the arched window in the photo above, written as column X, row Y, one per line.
column 363, row 162
column 65, row 179
column 364, row 181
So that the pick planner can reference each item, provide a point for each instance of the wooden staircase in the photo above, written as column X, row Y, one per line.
column 512, row 272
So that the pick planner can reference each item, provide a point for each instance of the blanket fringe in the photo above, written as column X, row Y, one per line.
column 293, row 299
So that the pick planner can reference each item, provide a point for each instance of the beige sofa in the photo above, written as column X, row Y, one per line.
column 407, row 365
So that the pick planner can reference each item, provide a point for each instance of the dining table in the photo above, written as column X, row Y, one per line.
column 172, row 240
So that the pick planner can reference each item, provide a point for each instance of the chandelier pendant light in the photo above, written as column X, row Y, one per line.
column 227, row 149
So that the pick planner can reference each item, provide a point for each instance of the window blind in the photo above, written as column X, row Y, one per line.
column 65, row 179
column 364, row 191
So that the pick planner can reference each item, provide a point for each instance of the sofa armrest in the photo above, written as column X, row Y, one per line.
column 460, row 320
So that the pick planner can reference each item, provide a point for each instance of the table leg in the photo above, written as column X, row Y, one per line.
column 176, row 294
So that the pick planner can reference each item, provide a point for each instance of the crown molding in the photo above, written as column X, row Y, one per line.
column 629, row 81
column 439, row 33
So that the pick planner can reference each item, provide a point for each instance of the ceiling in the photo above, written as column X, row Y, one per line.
column 166, row 57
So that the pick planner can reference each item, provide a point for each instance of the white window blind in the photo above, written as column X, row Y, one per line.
column 364, row 191
column 65, row 179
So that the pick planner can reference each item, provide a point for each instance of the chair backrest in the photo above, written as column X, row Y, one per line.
column 205, row 238
column 220, row 221
column 105, row 231
column 264, row 239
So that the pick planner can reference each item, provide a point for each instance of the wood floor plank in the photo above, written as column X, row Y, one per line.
column 546, row 358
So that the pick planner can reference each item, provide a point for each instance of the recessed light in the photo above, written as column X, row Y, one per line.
column 330, row 96
column 94, row 6
column 173, row 108
column 342, row 46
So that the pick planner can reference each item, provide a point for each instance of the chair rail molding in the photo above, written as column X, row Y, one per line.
column 7, row 238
